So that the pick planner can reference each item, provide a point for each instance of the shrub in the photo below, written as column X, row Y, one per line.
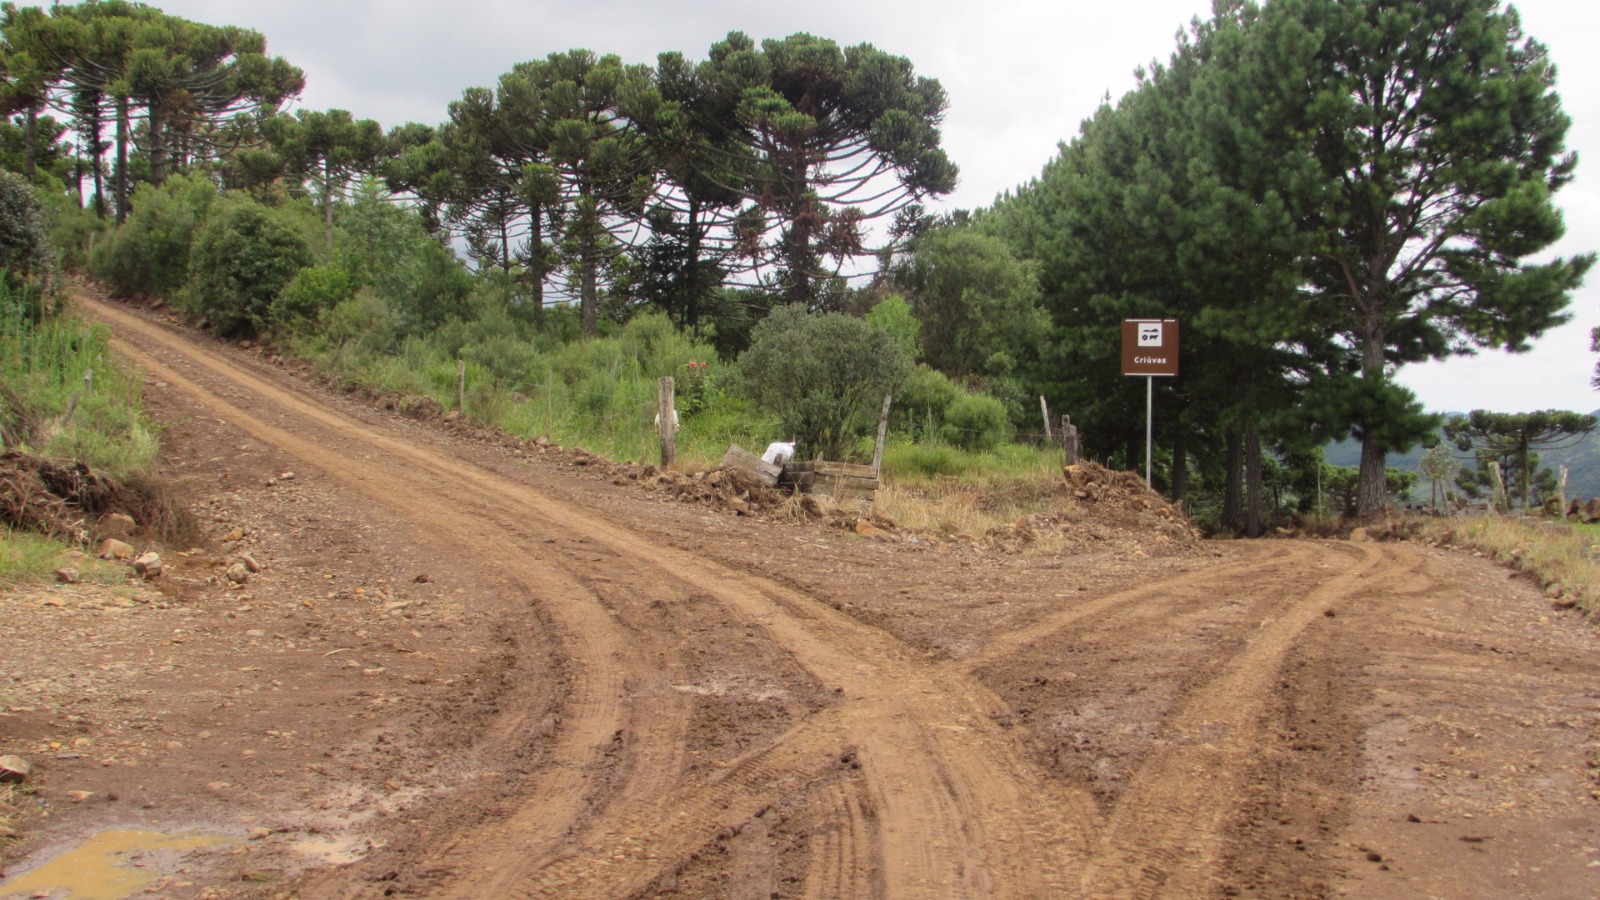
column 976, row 422
column 920, row 403
column 893, row 314
column 244, row 255
column 364, row 323
column 313, row 291
column 822, row 374
column 149, row 253
column 25, row 252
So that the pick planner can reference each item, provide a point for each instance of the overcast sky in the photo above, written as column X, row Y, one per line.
column 1021, row 75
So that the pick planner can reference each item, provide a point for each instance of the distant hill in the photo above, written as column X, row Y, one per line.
column 1582, row 460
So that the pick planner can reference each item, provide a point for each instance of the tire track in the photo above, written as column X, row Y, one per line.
column 962, row 810
column 1009, row 644
column 1164, row 837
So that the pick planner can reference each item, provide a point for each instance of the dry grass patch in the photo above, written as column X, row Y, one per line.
column 969, row 506
column 1563, row 559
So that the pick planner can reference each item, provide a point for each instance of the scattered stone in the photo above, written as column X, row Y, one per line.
column 1566, row 602
column 424, row 578
column 80, row 796
column 867, row 529
column 148, row 565
column 14, row 770
column 117, row 525
column 739, row 506
column 250, row 563
column 1553, row 592
column 67, row 575
column 235, row 535
column 237, row 573
column 111, row 548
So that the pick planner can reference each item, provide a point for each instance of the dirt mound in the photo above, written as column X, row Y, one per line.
column 75, row 502
column 730, row 488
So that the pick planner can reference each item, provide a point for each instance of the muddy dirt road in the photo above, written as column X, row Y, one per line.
column 568, row 687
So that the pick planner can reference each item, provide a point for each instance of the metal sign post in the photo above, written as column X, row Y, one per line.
column 1149, row 348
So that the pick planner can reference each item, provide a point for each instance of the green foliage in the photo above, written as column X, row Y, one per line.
column 243, row 256
column 822, row 374
column 26, row 254
column 976, row 422
column 1510, row 439
column 385, row 246
column 920, row 403
column 42, row 366
column 312, row 292
column 893, row 314
column 976, row 302
column 149, row 253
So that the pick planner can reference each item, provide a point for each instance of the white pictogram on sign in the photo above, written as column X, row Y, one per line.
column 1149, row 334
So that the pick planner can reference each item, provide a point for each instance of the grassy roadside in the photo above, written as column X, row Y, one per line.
column 64, row 396
column 1564, row 559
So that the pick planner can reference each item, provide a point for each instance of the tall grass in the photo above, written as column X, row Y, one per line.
column 599, row 393
column 51, row 409
column 935, row 486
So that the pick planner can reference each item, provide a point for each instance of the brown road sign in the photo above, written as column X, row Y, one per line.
column 1149, row 346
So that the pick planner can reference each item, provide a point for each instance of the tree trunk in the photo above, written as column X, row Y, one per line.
column 30, row 143
column 1372, row 493
column 122, row 159
column 1372, row 496
column 1255, row 512
column 1232, row 490
column 1180, row 462
column 589, row 287
column 692, row 307
column 97, row 149
column 327, row 199
column 158, row 147
column 536, row 256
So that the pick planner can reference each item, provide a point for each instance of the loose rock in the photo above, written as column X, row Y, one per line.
column 238, row 574
column 14, row 769
column 148, row 565
column 111, row 548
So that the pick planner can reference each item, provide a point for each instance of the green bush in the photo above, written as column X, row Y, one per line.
column 893, row 314
column 976, row 422
column 364, row 323
column 312, row 292
column 26, row 256
column 244, row 255
column 149, row 253
column 824, row 375
column 920, row 403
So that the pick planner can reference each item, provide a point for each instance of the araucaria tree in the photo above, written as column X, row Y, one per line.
column 829, row 139
column 1511, row 440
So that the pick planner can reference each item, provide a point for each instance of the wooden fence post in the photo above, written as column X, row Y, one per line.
column 1563, row 494
column 1501, row 501
column 883, row 432
column 667, row 422
column 1069, row 440
column 1044, row 409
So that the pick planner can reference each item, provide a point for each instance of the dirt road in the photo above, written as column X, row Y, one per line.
column 607, row 695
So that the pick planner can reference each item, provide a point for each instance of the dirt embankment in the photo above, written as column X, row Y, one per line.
column 469, row 668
